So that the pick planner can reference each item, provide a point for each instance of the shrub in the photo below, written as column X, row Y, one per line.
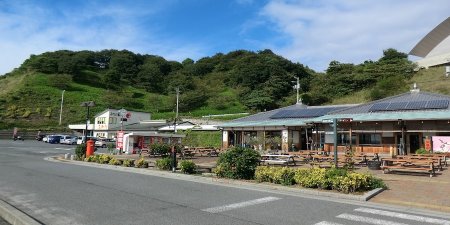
column 284, row 176
column 264, row 174
column 128, row 163
column 91, row 158
column 115, row 162
column 238, row 163
column 159, row 149
column 422, row 151
column 187, row 166
column 141, row 163
column 80, row 151
column 104, row 159
column 164, row 163
column 314, row 178
column 334, row 178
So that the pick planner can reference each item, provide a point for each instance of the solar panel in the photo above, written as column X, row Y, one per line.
column 437, row 104
column 378, row 107
column 416, row 105
column 397, row 106
column 302, row 113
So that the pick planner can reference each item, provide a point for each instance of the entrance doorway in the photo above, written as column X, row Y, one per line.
column 414, row 143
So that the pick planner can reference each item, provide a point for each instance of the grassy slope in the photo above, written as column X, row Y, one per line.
column 32, row 94
column 36, row 103
column 429, row 80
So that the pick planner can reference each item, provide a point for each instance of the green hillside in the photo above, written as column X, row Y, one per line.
column 239, row 81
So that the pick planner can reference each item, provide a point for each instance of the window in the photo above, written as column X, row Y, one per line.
column 343, row 139
column 101, row 120
column 370, row 139
column 112, row 120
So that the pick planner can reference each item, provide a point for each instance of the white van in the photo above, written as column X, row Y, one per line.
column 80, row 139
column 64, row 139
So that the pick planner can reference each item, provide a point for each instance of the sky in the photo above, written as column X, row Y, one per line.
column 310, row 32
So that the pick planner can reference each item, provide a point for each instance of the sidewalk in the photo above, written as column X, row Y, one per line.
column 407, row 190
column 416, row 191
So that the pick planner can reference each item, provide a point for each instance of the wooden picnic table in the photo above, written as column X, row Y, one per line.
column 278, row 159
column 408, row 165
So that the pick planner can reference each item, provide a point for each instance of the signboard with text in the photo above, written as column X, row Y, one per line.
column 441, row 143
column 119, row 140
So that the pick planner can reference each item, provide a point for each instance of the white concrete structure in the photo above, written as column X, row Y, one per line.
column 434, row 48
column 190, row 126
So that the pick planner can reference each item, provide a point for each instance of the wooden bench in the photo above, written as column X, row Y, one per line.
column 436, row 160
column 277, row 160
column 415, row 166
column 416, row 169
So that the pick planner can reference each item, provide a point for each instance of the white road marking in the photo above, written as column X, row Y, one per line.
column 403, row 216
column 240, row 205
column 65, row 149
column 327, row 223
column 368, row 220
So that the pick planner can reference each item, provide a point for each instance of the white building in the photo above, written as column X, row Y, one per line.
column 108, row 122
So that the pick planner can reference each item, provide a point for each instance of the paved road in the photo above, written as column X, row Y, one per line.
column 58, row 193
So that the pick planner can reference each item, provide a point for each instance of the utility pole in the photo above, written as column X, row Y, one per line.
column 60, row 111
column 174, row 151
column 297, row 87
column 176, row 113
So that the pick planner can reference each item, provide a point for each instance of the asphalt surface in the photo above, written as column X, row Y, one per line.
column 62, row 193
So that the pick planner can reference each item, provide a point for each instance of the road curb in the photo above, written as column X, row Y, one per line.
column 14, row 216
column 228, row 182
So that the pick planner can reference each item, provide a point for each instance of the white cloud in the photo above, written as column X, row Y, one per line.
column 351, row 31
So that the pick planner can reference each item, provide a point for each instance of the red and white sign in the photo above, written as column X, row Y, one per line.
column 119, row 140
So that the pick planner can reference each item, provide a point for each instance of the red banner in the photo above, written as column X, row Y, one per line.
column 119, row 140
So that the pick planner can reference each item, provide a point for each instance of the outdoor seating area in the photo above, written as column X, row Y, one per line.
column 427, row 163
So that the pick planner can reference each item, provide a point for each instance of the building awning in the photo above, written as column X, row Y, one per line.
column 389, row 116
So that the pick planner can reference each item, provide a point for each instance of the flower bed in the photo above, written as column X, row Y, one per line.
column 327, row 179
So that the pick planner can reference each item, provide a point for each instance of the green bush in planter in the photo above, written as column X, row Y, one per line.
column 164, row 163
column 238, row 163
column 80, row 151
column 141, row 163
column 284, row 176
column 104, row 159
column 159, row 149
column 115, row 162
column 187, row 166
column 128, row 163
column 422, row 151
column 92, row 158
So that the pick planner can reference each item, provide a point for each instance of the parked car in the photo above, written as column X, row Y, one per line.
column 81, row 139
column 45, row 138
column 54, row 139
column 103, row 142
column 68, row 140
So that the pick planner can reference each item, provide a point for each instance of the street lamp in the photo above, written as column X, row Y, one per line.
column 60, row 111
column 87, row 105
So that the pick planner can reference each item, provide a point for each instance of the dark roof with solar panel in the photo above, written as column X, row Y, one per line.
column 296, row 111
column 303, row 113
column 411, row 101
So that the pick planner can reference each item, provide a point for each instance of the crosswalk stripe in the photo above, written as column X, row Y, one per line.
column 240, row 205
column 367, row 220
column 403, row 216
column 328, row 223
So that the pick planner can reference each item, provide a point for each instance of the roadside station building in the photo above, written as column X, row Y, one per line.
column 402, row 124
